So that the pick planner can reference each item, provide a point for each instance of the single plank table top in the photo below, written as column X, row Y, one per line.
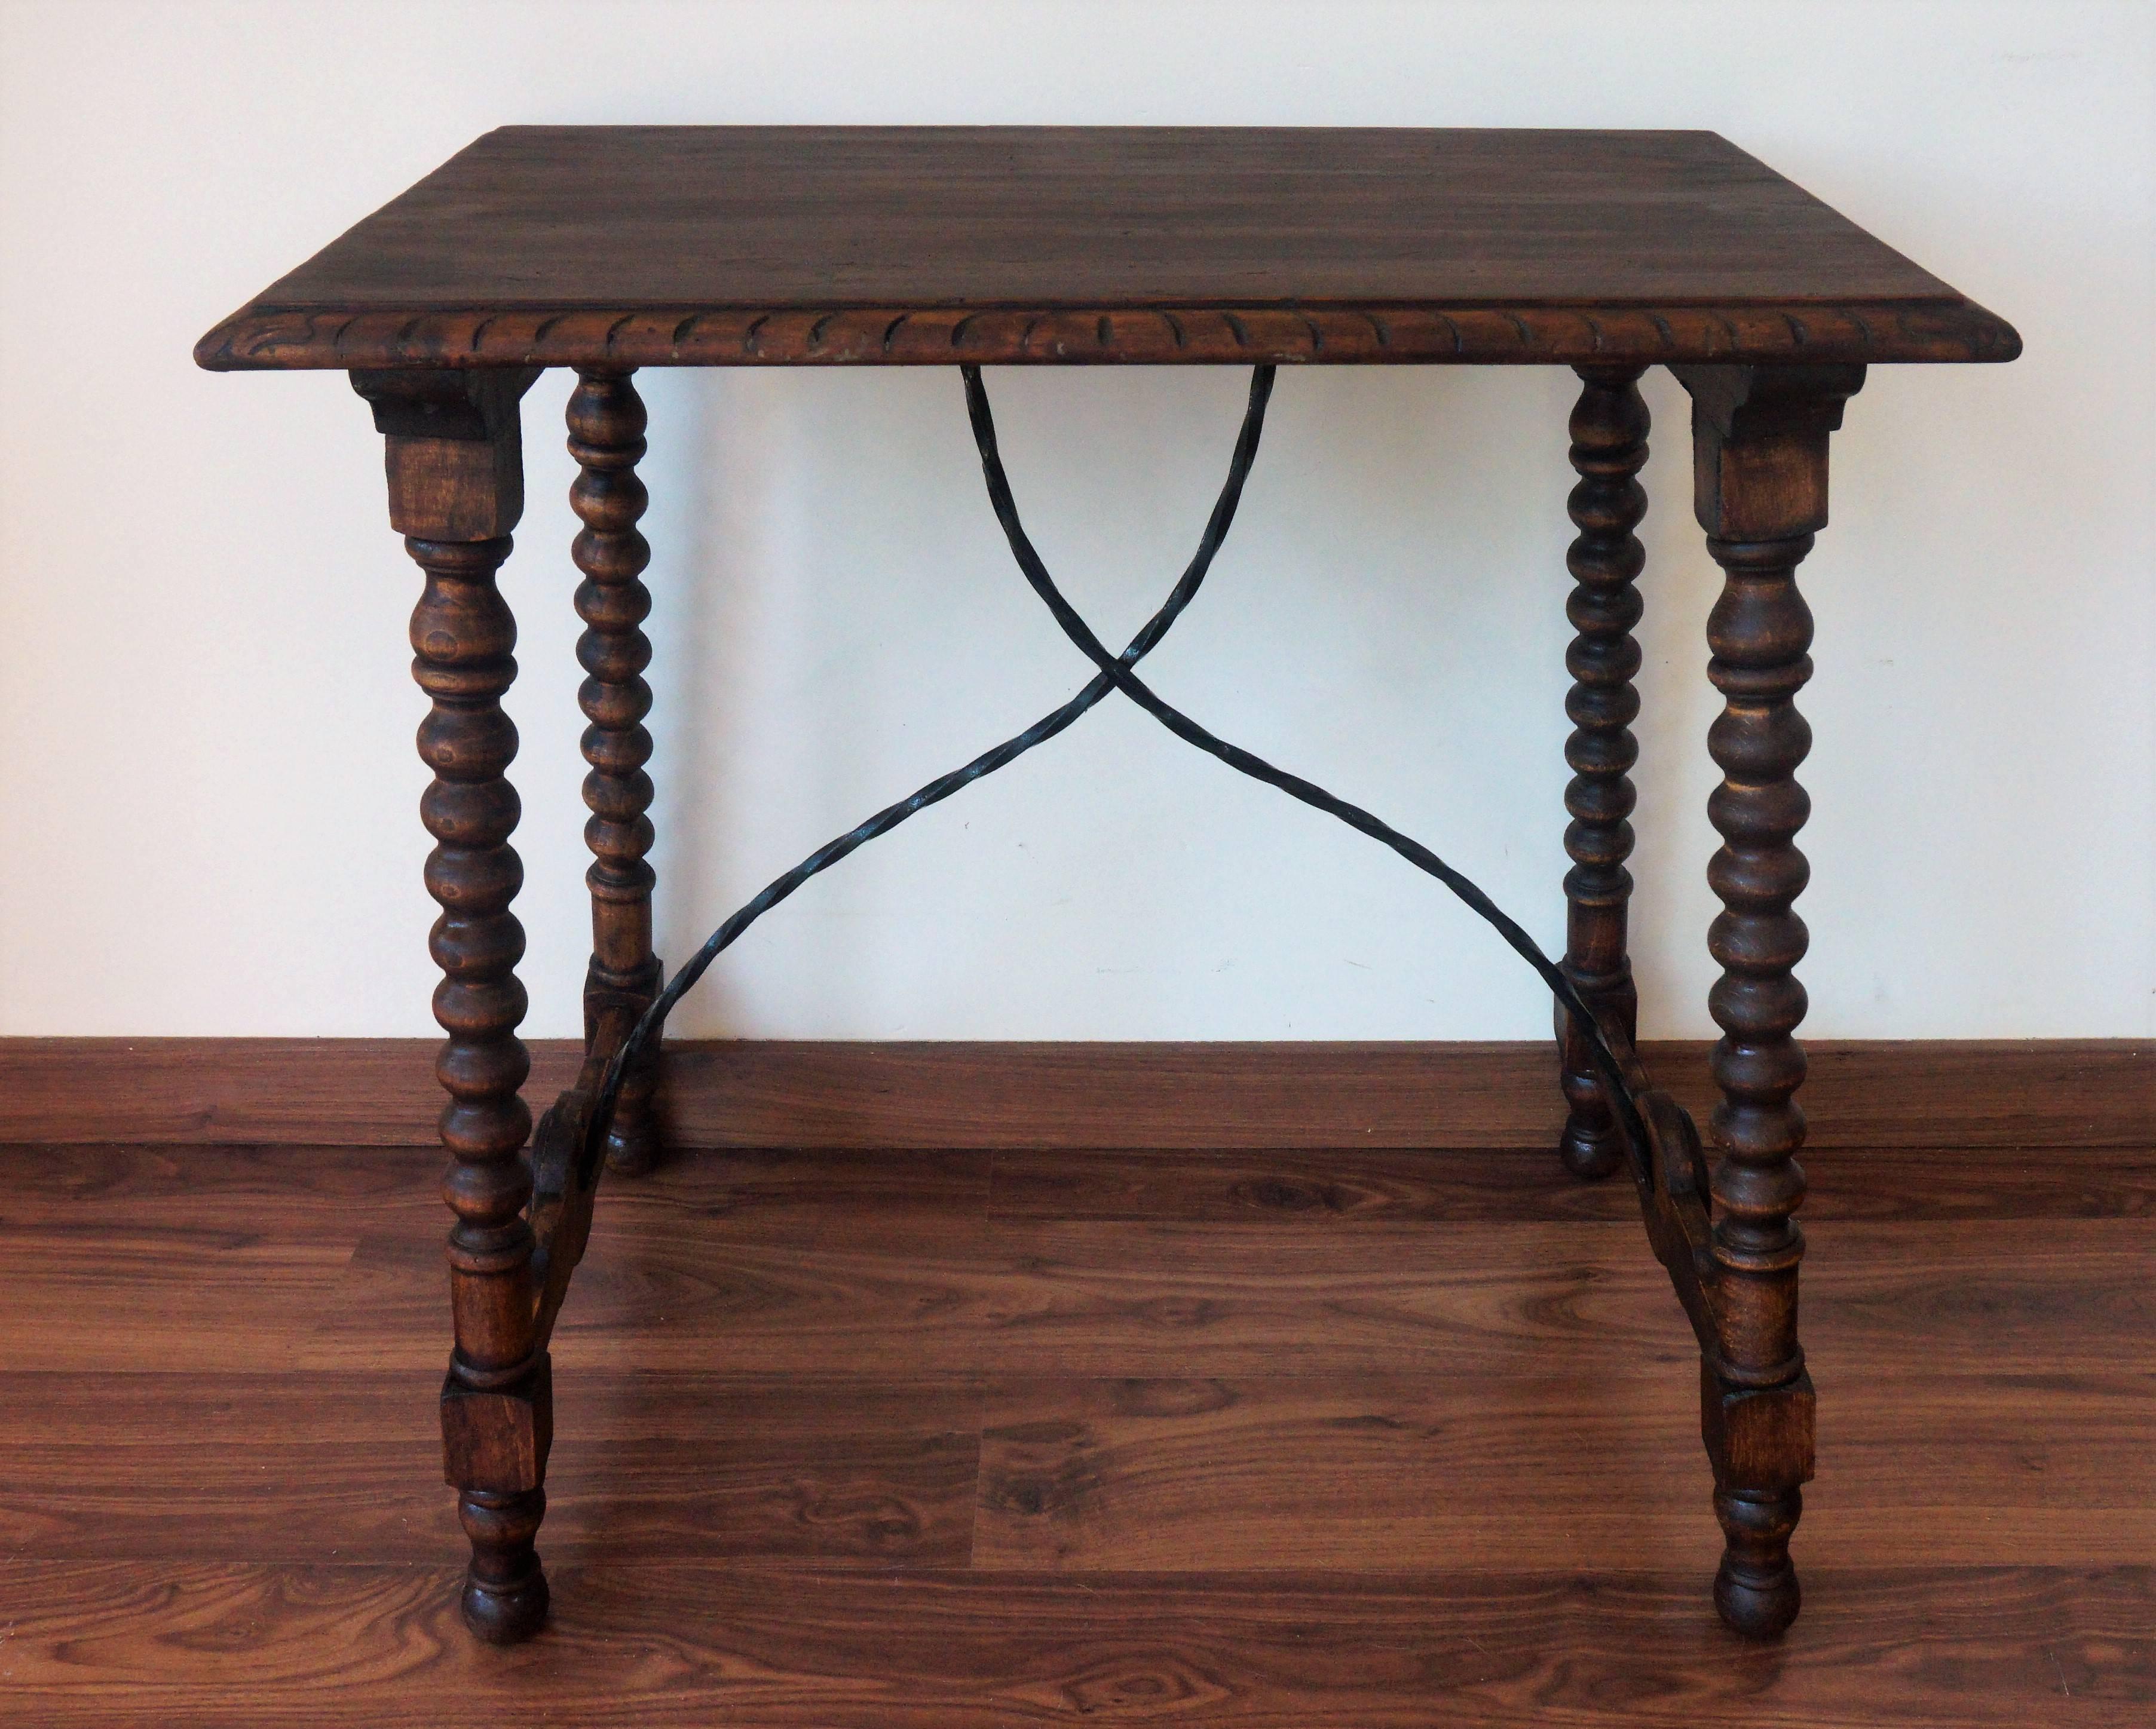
column 793, row 245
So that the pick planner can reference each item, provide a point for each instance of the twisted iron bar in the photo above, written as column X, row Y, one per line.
column 1114, row 672
column 653, row 1019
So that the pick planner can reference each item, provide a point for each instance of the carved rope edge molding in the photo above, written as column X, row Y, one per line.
column 269, row 339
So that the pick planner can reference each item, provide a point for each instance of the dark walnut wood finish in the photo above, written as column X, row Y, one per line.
column 923, row 245
column 1609, row 449
column 456, row 489
column 609, row 248
column 1759, row 438
column 606, row 436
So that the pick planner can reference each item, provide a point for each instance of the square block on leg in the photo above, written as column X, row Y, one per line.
column 497, row 1438
column 1758, row 1438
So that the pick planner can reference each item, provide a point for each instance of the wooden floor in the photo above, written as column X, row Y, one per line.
column 1365, row 1439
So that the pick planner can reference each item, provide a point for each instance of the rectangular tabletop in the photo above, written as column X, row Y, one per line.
column 791, row 245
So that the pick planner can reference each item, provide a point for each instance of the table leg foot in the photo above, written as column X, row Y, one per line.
column 632, row 1151
column 1591, row 1150
column 505, row 1595
column 1755, row 1588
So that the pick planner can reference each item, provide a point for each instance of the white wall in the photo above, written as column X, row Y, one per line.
column 208, row 766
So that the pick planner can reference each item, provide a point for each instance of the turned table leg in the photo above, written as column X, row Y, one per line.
column 1760, row 443
column 606, row 436
column 1609, row 448
column 455, row 491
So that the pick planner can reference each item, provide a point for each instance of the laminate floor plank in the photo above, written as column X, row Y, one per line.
column 684, row 1642
column 958, row 1296
column 1347, row 1187
column 1435, row 1472
column 261, row 1467
column 1377, row 1185
column 1130, row 1473
column 129, row 1296
column 176, row 1184
column 1333, row 1441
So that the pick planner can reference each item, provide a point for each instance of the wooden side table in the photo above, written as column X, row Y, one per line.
column 609, row 248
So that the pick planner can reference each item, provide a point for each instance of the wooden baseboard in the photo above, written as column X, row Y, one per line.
column 1925, row 1093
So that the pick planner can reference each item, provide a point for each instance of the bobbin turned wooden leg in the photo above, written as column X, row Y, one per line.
column 455, row 491
column 1760, row 446
column 1609, row 448
column 606, row 436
